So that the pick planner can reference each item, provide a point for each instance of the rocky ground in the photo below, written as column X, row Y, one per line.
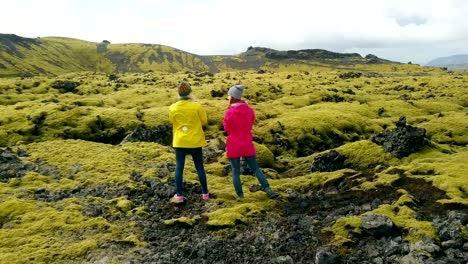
column 298, row 233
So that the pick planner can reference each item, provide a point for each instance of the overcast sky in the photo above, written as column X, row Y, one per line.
column 400, row 30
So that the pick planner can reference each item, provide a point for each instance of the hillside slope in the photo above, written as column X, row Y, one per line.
column 55, row 56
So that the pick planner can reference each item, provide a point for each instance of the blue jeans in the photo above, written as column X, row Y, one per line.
column 197, row 156
column 252, row 163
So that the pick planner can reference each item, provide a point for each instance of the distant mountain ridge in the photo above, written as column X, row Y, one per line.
column 306, row 54
column 455, row 62
column 21, row 56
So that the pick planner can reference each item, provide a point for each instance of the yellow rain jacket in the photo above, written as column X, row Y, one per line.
column 187, row 119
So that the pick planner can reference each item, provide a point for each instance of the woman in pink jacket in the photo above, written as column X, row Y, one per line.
column 238, row 122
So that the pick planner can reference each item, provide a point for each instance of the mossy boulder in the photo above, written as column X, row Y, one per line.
column 265, row 157
column 364, row 154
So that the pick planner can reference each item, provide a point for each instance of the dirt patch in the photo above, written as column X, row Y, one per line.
column 426, row 196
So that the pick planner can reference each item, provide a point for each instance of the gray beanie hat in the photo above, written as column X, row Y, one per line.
column 236, row 91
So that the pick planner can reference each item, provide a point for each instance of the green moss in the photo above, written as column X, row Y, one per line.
column 400, row 214
column 317, row 127
column 449, row 128
column 11, row 209
column 140, row 211
column 107, row 163
column 216, row 169
column 36, row 232
column 150, row 173
column 265, row 158
column 81, row 248
column 123, row 204
column 405, row 218
column 342, row 229
column 405, row 199
column 229, row 217
column 464, row 230
column 134, row 239
column 364, row 154
column 447, row 172
column 14, row 182
column 181, row 220
column 380, row 179
column 148, row 151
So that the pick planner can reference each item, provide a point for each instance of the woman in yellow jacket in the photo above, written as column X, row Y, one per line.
column 188, row 118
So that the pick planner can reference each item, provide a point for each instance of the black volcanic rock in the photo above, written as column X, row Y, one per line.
column 326, row 256
column 218, row 93
column 330, row 161
column 10, row 165
column 65, row 86
column 403, row 140
column 161, row 134
column 350, row 75
column 377, row 225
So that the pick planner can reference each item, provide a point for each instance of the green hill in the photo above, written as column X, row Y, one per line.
column 55, row 56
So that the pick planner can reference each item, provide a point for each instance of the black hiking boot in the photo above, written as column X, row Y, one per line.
column 272, row 194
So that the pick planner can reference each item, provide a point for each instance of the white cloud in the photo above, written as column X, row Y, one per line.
column 394, row 29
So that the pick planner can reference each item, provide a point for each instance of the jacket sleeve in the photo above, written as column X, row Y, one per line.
column 202, row 116
column 171, row 116
column 226, row 122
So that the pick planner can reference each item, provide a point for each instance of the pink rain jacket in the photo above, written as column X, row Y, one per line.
column 238, row 122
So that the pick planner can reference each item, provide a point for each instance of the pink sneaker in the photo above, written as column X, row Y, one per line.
column 178, row 198
column 205, row 196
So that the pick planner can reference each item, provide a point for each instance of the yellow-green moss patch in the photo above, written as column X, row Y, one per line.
column 342, row 229
column 446, row 172
column 405, row 218
column 36, row 232
column 228, row 217
column 181, row 220
column 364, row 154
column 380, row 179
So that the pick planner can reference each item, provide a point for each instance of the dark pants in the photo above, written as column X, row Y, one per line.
column 197, row 156
column 252, row 163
